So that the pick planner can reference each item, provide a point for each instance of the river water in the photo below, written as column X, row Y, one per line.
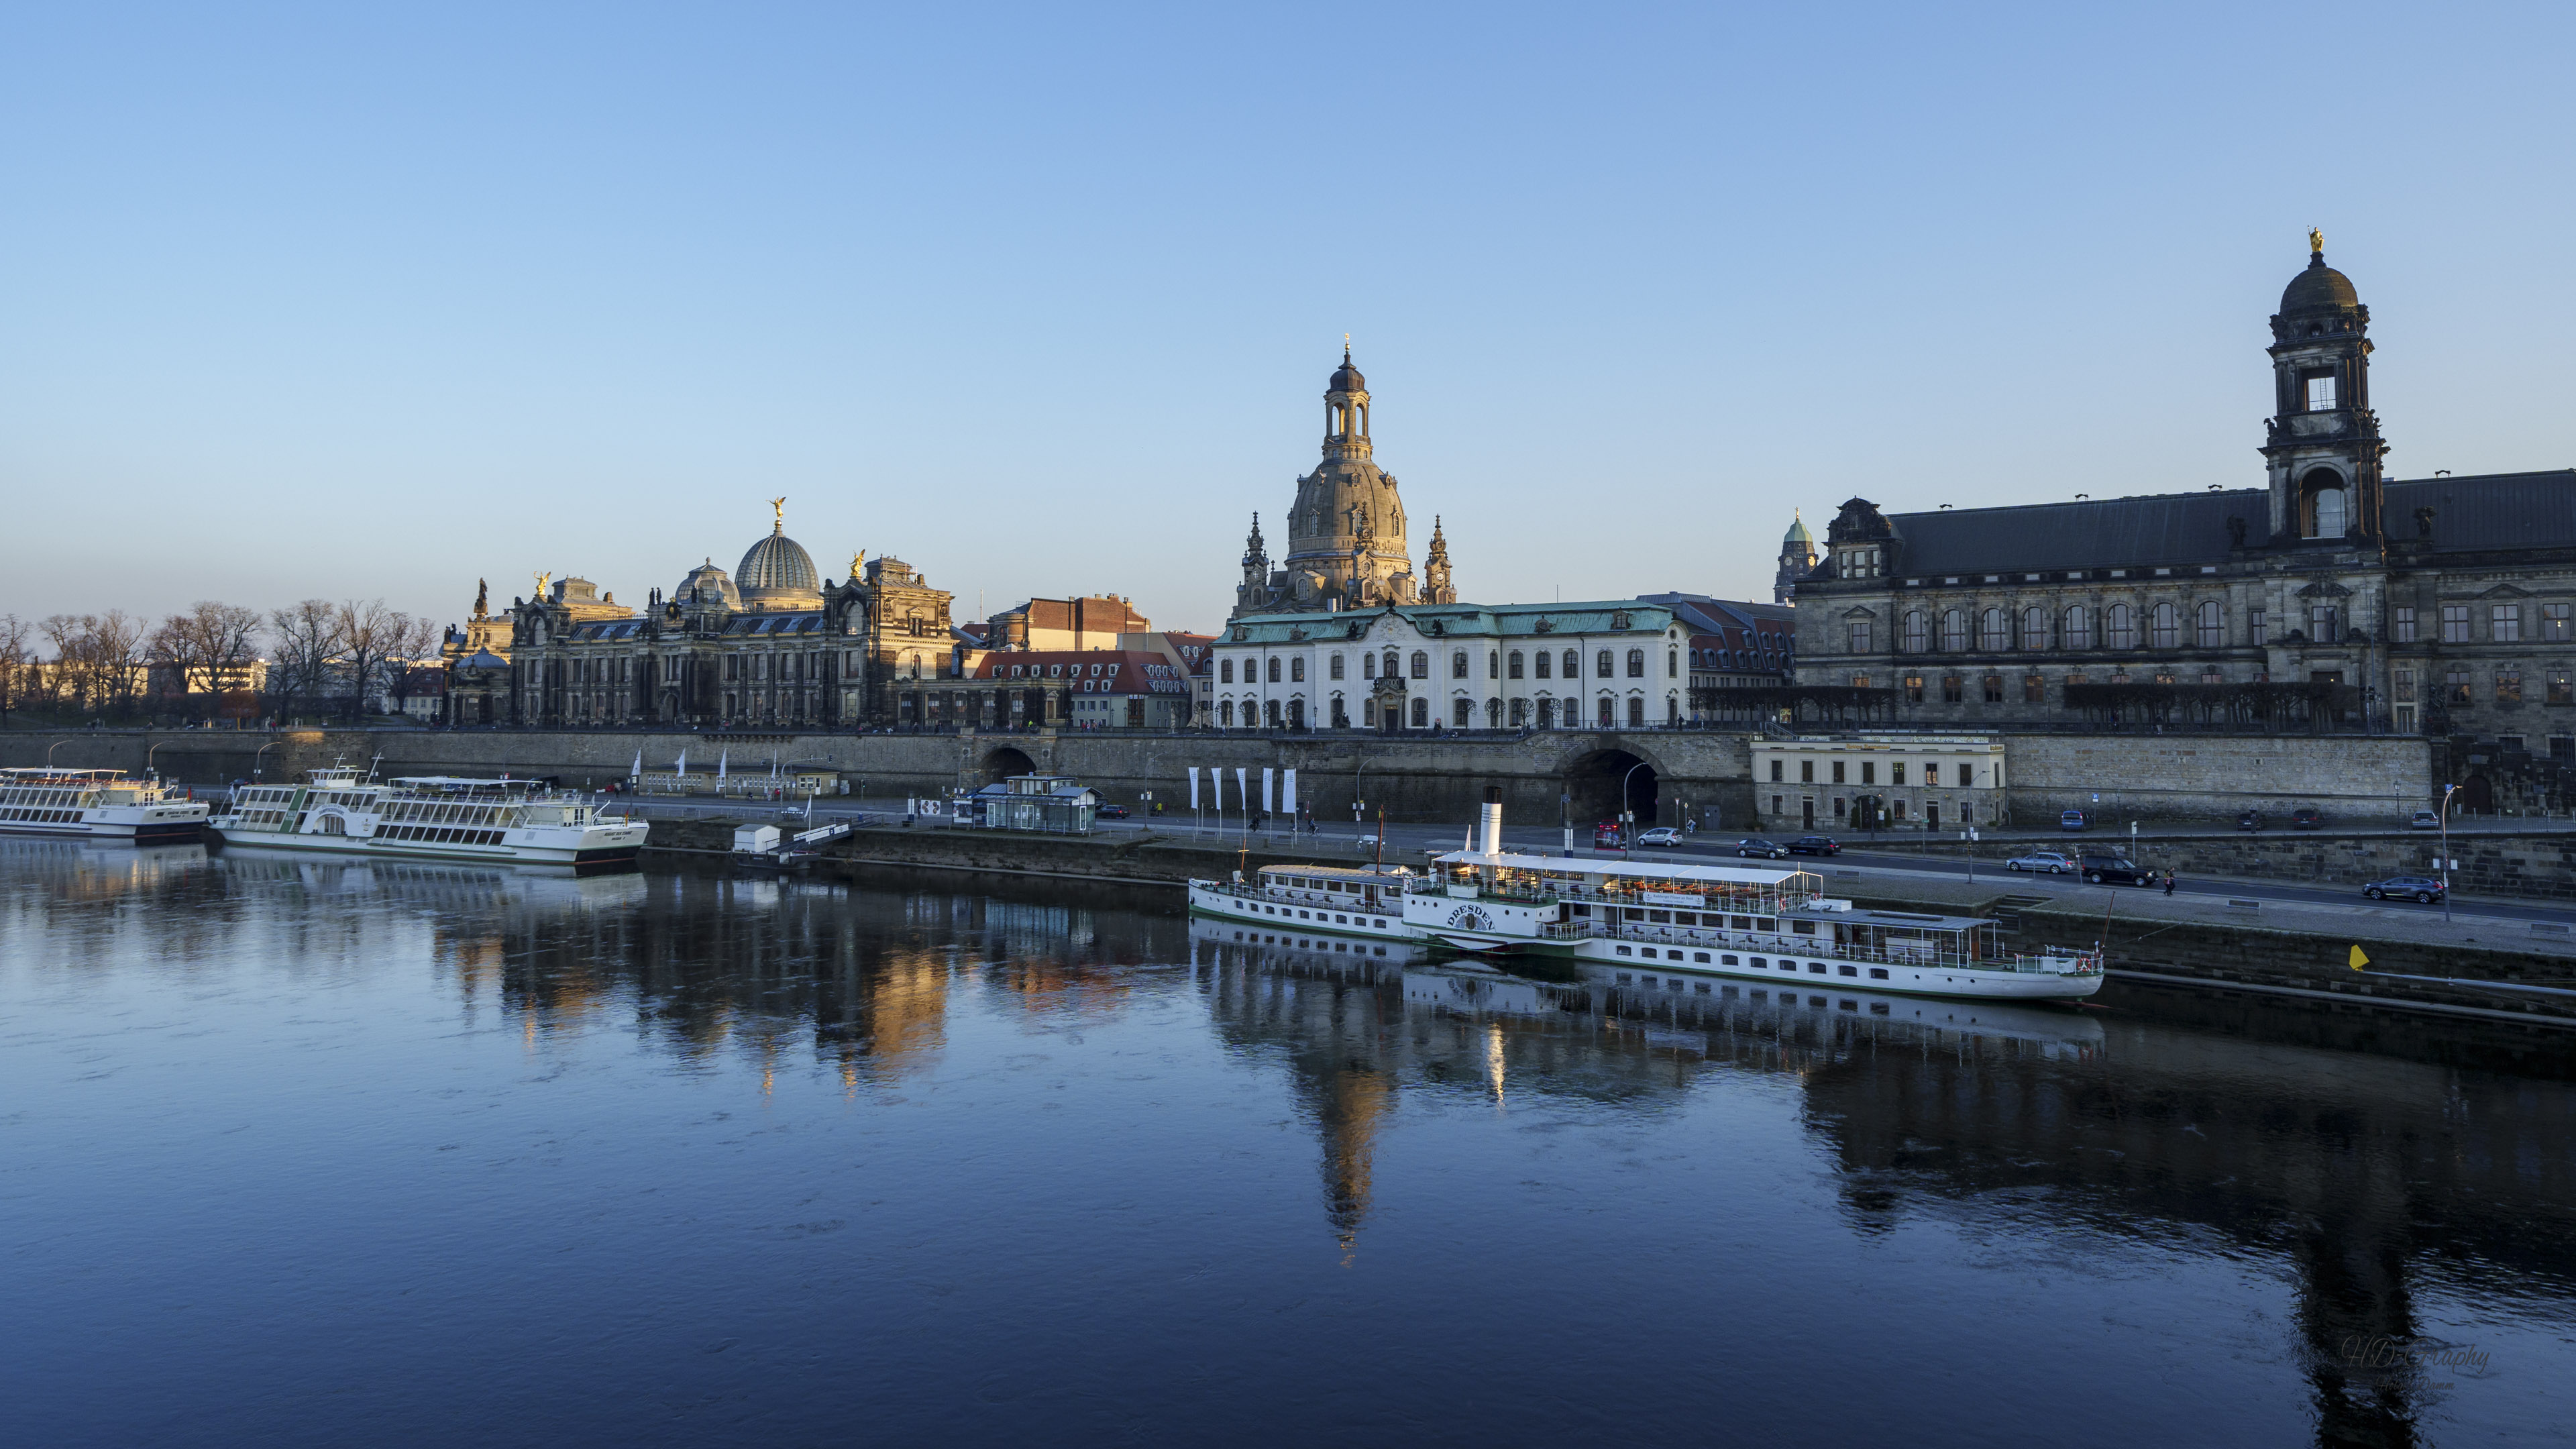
column 298, row 1153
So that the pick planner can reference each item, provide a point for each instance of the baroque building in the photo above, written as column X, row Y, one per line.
column 771, row 645
column 2442, row 604
column 1346, row 538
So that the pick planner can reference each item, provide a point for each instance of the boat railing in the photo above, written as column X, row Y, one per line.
column 2049, row 963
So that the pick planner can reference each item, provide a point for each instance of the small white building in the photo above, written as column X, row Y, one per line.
column 1591, row 666
column 1847, row 782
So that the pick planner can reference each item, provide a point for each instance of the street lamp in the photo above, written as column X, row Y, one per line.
column 1628, row 815
column 49, row 752
column 2447, row 792
column 149, row 753
column 262, row 750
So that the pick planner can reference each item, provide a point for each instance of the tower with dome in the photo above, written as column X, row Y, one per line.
column 1346, row 538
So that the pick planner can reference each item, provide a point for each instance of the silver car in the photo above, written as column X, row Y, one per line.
column 2048, row 862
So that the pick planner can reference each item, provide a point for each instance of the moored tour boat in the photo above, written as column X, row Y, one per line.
column 437, row 817
column 97, row 805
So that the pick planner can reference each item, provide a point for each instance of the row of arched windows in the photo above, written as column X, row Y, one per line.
column 1545, row 713
column 1544, row 664
column 2079, row 626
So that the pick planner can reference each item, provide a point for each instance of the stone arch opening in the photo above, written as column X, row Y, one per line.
column 1596, row 781
column 1000, row 764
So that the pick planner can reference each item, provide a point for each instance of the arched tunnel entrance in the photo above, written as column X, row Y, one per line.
column 1005, row 762
column 1595, row 783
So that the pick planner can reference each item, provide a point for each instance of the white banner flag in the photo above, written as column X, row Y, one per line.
column 638, row 771
column 681, row 768
column 1194, row 787
column 1242, row 791
column 1288, row 793
column 1269, row 794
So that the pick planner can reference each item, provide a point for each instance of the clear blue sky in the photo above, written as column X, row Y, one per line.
column 372, row 300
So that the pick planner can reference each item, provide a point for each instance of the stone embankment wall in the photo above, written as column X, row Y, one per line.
column 2534, row 864
column 2166, row 778
column 1409, row 778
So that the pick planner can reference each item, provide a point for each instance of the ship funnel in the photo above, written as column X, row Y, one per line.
column 1493, row 820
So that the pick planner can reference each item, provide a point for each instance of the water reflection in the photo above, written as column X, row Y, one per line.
column 2372, row 1182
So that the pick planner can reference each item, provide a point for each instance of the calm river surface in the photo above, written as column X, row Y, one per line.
column 320, row 1154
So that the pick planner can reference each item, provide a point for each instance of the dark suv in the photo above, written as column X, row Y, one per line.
column 2306, row 818
column 2115, row 870
column 2250, row 820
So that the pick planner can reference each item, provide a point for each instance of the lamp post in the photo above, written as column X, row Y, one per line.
column 254, row 759
column 2447, row 792
column 149, row 753
column 1627, row 815
column 49, row 752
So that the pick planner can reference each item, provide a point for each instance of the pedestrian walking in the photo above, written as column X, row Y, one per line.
column 2169, row 882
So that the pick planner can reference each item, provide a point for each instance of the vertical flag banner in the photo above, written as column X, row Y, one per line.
column 1242, row 791
column 683, row 767
column 1194, row 787
column 639, row 765
column 1269, row 795
column 721, row 757
column 1288, row 793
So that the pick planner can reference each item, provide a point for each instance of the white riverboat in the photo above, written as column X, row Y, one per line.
column 1768, row 926
column 97, row 805
column 430, row 817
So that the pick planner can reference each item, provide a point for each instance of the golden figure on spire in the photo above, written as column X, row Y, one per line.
column 2316, row 242
column 778, row 508
column 542, row 578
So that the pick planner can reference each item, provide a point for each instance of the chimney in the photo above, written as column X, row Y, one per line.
column 1493, row 821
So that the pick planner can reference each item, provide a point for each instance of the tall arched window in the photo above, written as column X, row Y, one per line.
column 1516, row 668
column 1601, row 665
column 1636, row 664
column 1493, row 665
column 1225, row 713
column 1573, row 665
column 1992, row 632
column 1392, row 668
column 1672, row 663
column 2119, row 627
column 2213, row 625
column 1546, row 664
column 2324, row 509
column 1918, row 631
column 2034, row 628
column 1421, row 665
column 1271, row 711
column 1368, row 666
column 1274, row 671
column 1457, row 664
column 2164, row 626
column 1421, row 713
column 1335, row 667
column 1954, row 629
column 1297, row 669
column 2079, row 627
column 1224, row 671
column 1493, row 714
column 1520, row 713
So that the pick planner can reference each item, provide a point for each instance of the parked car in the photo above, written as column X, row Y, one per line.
column 2250, row 820
column 2047, row 862
column 2422, row 889
column 2424, row 820
column 1370, row 842
column 1768, row 850
column 1661, row 835
column 2073, row 820
column 2115, row 870
column 2306, row 817
column 1815, row 845
column 1111, row 812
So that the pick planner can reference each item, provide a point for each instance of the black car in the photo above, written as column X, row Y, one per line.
column 1111, row 812
column 1815, row 845
column 2421, row 889
column 2250, row 820
column 2306, row 818
column 2115, row 870
column 1768, row 850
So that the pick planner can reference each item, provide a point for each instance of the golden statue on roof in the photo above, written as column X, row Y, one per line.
column 778, row 512
column 2316, row 242
column 542, row 578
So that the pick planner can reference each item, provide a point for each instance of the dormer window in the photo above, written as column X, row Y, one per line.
column 2321, row 392
column 1860, row 563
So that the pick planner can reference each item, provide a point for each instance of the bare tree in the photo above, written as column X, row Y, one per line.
column 207, row 649
column 309, row 650
column 17, row 656
column 372, row 637
column 407, row 647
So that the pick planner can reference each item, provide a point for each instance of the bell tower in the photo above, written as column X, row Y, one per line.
column 2321, row 444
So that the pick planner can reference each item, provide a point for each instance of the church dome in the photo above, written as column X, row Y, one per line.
column 1798, row 530
column 2319, row 288
column 1346, row 378
column 777, row 573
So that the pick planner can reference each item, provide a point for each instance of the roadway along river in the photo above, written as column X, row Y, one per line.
column 317, row 1154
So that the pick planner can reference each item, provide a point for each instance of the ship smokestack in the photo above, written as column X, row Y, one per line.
column 1493, row 820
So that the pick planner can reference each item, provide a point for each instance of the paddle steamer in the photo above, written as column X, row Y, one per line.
column 1770, row 926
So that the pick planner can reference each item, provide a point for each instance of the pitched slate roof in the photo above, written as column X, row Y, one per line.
column 2489, row 510
column 2159, row 528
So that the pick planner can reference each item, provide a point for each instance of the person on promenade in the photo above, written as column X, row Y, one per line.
column 2169, row 882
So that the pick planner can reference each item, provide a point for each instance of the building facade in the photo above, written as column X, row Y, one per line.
column 1616, row 665
column 2442, row 603
column 770, row 646
column 1838, row 782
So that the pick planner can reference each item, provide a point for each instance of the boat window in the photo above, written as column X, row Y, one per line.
column 1803, row 928
column 1702, row 958
column 1878, row 973
column 1664, row 916
column 1759, row 964
column 1818, row 967
column 1851, row 971
column 1726, row 960
column 1624, row 951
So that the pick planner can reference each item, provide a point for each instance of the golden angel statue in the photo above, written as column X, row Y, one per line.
column 2316, row 242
